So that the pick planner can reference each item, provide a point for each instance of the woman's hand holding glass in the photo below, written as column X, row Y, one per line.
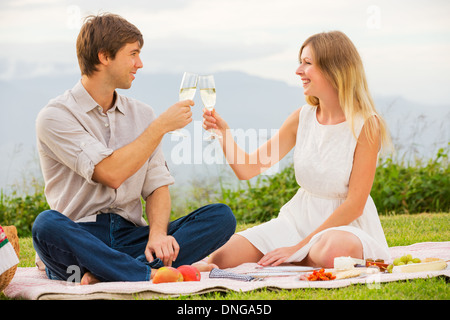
column 213, row 121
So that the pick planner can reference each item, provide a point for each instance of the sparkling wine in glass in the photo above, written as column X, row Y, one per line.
column 187, row 91
column 208, row 95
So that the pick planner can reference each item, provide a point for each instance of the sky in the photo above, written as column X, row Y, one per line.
column 405, row 45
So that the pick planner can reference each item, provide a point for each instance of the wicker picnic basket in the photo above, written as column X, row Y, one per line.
column 6, row 277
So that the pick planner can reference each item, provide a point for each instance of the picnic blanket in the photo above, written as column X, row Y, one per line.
column 32, row 284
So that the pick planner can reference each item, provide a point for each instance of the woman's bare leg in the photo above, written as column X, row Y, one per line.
column 236, row 251
column 332, row 244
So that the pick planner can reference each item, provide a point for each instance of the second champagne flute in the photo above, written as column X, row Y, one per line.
column 208, row 95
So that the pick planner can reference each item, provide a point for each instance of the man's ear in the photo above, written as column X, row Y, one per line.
column 103, row 57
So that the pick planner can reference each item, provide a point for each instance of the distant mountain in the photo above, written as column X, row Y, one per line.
column 248, row 102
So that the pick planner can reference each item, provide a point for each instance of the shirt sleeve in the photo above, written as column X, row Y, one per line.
column 63, row 138
column 158, row 173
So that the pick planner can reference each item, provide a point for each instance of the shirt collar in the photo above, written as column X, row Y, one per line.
column 119, row 103
column 87, row 103
column 82, row 97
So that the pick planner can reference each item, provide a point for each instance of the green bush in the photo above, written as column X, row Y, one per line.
column 21, row 211
column 403, row 188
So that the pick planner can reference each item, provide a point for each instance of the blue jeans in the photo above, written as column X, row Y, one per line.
column 112, row 248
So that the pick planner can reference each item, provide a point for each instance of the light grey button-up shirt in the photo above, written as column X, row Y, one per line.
column 74, row 135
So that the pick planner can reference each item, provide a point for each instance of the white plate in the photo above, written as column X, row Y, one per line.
column 287, row 269
column 263, row 274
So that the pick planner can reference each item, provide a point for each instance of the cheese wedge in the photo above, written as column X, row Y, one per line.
column 356, row 272
column 418, row 267
column 344, row 263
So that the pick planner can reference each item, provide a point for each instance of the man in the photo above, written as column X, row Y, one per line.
column 100, row 153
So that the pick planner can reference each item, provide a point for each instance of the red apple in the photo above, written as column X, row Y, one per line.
column 190, row 273
column 167, row 274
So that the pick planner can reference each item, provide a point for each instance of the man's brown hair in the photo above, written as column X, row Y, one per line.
column 106, row 33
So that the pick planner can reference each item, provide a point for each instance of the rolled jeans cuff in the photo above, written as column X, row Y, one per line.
column 155, row 264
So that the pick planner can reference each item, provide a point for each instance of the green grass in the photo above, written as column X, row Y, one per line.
column 400, row 230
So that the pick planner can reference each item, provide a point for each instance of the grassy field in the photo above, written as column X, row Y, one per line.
column 400, row 230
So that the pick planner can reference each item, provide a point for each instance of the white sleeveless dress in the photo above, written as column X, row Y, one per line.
column 323, row 161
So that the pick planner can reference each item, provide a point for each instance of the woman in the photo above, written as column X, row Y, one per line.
column 337, row 137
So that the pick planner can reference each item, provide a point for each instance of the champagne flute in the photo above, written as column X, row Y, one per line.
column 187, row 91
column 208, row 95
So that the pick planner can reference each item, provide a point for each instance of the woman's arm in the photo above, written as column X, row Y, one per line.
column 247, row 166
column 360, row 184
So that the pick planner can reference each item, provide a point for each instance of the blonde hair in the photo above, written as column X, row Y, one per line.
column 338, row 59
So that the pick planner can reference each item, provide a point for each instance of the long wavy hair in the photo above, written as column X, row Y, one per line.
column 339, row 61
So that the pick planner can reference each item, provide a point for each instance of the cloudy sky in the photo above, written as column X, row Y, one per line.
column 405, row 45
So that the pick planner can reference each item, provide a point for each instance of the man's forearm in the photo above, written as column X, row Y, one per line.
column 126, row 161
column 157, row 209
column 160, row 244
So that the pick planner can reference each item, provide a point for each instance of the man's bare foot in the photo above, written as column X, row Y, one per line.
column 88, row 278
